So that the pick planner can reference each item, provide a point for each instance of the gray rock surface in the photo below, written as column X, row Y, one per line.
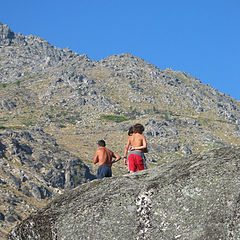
column 192, row 198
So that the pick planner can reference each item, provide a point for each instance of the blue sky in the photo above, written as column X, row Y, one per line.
column 200, row 37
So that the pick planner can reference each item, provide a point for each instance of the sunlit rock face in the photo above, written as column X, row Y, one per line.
column 196, row 197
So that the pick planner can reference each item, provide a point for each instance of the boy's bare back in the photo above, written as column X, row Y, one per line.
column 137, row 140
column 103, row 156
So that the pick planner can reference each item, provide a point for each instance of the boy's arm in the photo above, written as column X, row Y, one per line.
column 126, row 148
column 95, row 159
column 116, row 156
column 126, row 151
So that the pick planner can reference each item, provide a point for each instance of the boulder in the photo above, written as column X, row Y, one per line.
column 196, row 197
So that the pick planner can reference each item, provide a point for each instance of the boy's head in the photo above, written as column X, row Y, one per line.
column 101, row 143
column 138, row 128
column 130, row 131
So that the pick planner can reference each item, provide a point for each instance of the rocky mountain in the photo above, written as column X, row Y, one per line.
column 63, row 92
column 195, row 197
column 69, row 101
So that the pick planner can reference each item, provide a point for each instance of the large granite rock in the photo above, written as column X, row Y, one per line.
column 192, row 198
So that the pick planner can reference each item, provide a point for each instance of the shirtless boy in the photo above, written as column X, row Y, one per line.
column 137, row 144
column 103, row 157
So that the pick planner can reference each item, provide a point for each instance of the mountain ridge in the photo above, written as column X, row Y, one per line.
column 123, row 85
column 76, row 101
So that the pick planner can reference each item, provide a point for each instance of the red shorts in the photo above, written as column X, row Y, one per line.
column 136, row 163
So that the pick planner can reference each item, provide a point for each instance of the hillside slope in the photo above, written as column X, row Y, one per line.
column 79, row 101
column 75, row 101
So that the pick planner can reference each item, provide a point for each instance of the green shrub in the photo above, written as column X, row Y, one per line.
column 114, row 118
column 132, row 83
column 166, row 117
column 3, row 85
column 18, row 82
column 76, row 180
column 155, row 110
column 61, row 126
column 28, row 123
column 80, row 91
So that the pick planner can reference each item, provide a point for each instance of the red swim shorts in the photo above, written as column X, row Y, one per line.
column 136, row 163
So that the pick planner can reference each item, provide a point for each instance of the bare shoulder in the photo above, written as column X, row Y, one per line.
column 98, row 151
column 140, row 136
column 130, row 138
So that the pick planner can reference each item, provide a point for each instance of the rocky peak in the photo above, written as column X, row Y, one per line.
column 6, row 35
column 125, row 60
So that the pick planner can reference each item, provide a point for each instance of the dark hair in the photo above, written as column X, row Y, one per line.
column 101, row 143
column 130, row 131
column 138, row 128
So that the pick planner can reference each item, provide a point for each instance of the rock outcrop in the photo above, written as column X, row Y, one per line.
column 192, row 198
column 34, row 169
